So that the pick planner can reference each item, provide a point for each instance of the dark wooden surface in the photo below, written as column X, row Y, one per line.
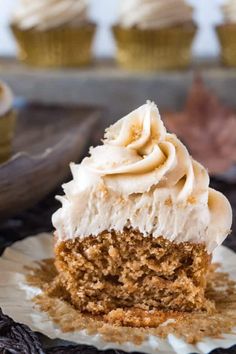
column 38, row 219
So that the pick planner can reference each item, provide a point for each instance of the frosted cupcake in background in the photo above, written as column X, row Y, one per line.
column 53, row 33
column 7, row 121
column 154, row 34
column 227, row 33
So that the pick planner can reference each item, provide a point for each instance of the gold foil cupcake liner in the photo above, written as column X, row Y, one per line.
column 227, row 35
column 155, row 49
column 60, row 47
column 7, row 125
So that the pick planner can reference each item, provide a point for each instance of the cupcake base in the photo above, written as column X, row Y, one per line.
column 227, row 35
column 126, row 270
column 155, row 49
column 7, row 124
column 60, row 47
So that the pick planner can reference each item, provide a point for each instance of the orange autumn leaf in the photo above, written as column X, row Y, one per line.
column 207, row 127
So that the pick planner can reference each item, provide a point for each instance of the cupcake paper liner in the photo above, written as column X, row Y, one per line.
column 7, row 125
column 227, row 35
column 155, row 49
column 60, row 47
column 16, row 301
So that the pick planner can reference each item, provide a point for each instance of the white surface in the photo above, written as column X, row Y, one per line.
column 16, row 294
column 105, row 13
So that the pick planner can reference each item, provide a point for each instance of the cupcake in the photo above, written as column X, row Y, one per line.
column 53, row 33
column 227, row 33
column 7, row 121
column 154, row 34
column 138, row 224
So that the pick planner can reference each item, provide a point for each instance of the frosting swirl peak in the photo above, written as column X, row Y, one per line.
column 46, row 14
column 147, row 14
column 229, row 11
column 138, row 154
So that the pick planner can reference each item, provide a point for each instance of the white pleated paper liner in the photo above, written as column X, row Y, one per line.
column 16, row 301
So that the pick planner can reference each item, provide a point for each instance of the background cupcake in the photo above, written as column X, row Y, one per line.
column 7, row 121
column 227, row 33
column 53, row 32
column 154, row 34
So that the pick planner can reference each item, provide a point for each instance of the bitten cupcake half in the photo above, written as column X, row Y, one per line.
column 138, row 223
column 227, row 34
column 54, row 33
column 154, row 35
column 7, row 121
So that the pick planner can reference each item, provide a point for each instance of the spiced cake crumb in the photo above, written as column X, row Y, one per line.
column 123, row 270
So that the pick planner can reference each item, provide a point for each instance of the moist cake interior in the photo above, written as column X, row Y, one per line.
column 126, row 270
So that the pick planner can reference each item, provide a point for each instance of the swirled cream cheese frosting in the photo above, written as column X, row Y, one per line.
column 6, row 99
column 46, row 14
column 143, row 178
column 229, row 11
column 154, row 13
